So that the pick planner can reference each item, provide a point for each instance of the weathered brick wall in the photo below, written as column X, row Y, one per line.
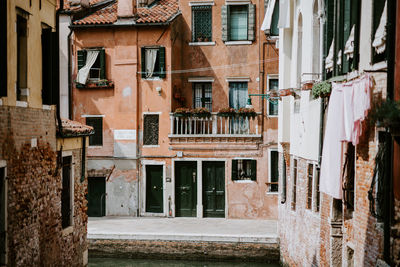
column 35, row 236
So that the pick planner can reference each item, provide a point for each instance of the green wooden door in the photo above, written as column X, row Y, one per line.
column 185, row 188
column 96, row 196
column 214, row 189
column 154, row 188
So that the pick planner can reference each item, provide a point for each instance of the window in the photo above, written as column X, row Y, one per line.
column 91, row 66
column 202, row 95
column 3, row 52
column 3, row 217
column 150, row 130
column 310, row 174
column 97, row 123
column 273, row 171
column 284, row 180
column 237, row 94
column 66, row 192
column 294, row 186
column 296, row 106
column 270, row 23
column 48, row 66
column 273, row 84
column 22, row 56
column 378, row 30
column 238, row 22
column 201, row 24
column 244, row 169
column 348, row 178
column 153, row 62
column 316, row 191
column 299, row 62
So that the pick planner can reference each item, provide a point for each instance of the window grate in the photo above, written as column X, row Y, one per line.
column 150, row 130
column 202, row 24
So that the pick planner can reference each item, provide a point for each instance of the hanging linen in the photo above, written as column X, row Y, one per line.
column 266, row 25
column 349, row 46
column 151, row 57
column 339, row 58
column 329, row 58
column 83, row 73
column 284, row 14
column 379, row 42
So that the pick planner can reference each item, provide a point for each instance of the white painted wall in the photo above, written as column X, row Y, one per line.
column 65, row 21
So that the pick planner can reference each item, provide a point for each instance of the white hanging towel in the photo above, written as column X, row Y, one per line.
column 266, row 25
column 151, row 57
column 83, row 73
column 349, row 47
column 329, row 58
column 380, row 35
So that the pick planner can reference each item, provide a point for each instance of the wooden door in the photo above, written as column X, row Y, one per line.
column 96, row 196
column 214, row 189
column 154, row 188
column 3, row 210
column 185, row 188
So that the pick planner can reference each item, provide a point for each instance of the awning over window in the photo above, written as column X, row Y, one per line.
column 379, row 42
column 83, row 73
column 266, row 25
column 349, row 47
column 284, row 14
column 329, row 58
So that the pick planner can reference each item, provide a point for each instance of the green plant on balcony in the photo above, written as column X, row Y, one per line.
column 247, row 112
column 322, row 89
column 387, row 114
column 183, row 112
column 201, row 112
column 226, row 112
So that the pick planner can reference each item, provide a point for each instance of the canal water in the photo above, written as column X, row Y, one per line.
column 108, row 262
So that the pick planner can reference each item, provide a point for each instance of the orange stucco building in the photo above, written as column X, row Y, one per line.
column 133, row 65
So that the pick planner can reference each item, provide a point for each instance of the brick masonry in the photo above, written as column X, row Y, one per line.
column 34, row 235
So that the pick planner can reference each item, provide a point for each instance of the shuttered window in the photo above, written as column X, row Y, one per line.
column 201, row 24
column 244, row 169
column 377, row 10
column 150, row 129
column 66, row 191
column 202, row 95
column 98, row 70
column 238, row 22
column 97, row 123
column 159, row 70
column 275, row 19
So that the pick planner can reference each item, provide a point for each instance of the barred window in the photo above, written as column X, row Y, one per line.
column 150, row 130
column 203, row 95
column 201, row 24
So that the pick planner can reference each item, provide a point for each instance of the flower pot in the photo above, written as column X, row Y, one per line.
column 307, row 86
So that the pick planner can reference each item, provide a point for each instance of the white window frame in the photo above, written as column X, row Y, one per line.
column 271, row 77
column 69, row 229
column 270, row 150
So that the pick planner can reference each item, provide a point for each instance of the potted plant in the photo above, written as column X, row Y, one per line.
column 387, row 114
column 226, row 112
column 322, row 89
column 201, row 113
column 200, row 38
column 247, row 112
column 182, row 112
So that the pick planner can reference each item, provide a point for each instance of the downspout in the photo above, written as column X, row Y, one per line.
column 69, row 76
column 388, row 188
column 138, row 156
column 57, row 76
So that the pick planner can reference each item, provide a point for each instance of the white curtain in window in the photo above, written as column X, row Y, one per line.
column 151, row 57
column 339, row 58
column 329, row 58
column 349, row 47
column 380, row 35
column 266, row 25
column 284, row 14
column 83, row 73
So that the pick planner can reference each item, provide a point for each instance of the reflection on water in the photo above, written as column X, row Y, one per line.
column 103, row 262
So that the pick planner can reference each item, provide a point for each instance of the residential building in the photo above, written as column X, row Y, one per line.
column 145, row 60
column 42, row 173
column 332, row 206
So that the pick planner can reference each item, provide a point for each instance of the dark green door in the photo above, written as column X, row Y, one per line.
column 214, row 189
column 154, row 188
column 185, row 188
column 96, row 196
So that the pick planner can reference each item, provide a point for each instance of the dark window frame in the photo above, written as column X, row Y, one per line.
column 204, row 101
column 67, row 192
column 196, row 34
column 247, row 164
column 273, row 108
column 99, row 65
column 97, row 138
column 150, row 136
column 310, row 178
column 230, row 8
column 160, row 71
column 377, row 9
column 294, row 185
column 273, row 178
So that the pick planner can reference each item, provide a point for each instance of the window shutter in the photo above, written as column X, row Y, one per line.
column 81, row 58
column 234, row 170
column 328, row 27
column 161, row 59
column 346, row 33
column 143, row 61
column 251, row 23
column 253, row 166
column 102, row 64
column 224, row 22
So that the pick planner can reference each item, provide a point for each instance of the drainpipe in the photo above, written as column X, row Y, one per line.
column 57, row 68
column 138, row 156
column 69, row 76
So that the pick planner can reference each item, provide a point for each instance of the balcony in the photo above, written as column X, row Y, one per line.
column 215, row 127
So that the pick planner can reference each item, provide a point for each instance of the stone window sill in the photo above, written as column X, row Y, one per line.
column 202, row 43
column 22, row 104
column 238, row 43
column 244, row 181
column 96, row 85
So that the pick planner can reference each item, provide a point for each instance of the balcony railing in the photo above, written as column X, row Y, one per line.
column 215, row 126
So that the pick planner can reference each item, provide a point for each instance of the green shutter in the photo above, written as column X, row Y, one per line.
column 143, row 61
column 253, row 164
column 252, row 22
column 329, row 26
column 161, row 52
column 234, row 170
column 81, row 58
column 355, row 20
column 346, row 33
column 102, row 64
column 275, row 20
column 224, row 22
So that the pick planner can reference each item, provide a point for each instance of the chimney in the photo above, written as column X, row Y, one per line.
column 126, row 8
